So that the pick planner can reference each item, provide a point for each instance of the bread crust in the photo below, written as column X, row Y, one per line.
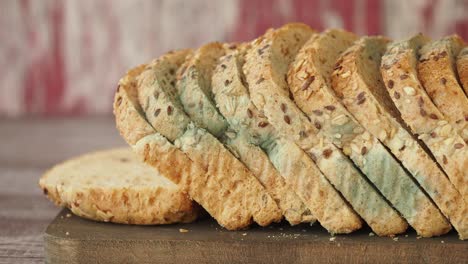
column 341, row 128
column 75, row 184
column 462, row 68
column 438, row 75
column 398, row 68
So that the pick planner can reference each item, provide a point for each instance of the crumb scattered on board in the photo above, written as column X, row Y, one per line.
column 182, row 230
column 371, row 234
column 332, row 239
column 67, row 233
column 68, row 215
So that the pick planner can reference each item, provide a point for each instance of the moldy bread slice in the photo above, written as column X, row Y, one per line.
column 398, row 69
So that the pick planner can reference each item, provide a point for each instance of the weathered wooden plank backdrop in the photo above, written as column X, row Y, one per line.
column 61, row 57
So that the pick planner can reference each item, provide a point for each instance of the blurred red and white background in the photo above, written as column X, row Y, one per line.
column 64, row 57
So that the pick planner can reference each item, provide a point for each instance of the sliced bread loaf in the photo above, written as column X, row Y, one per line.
column 438, row 75
column 195, row 93
column 316, row 61
column 115, row 186
column 398, row 69
column 265, row 69
column 295, row 166
column 191, row 176
column 462, row 68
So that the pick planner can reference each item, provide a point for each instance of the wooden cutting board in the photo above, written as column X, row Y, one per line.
column 70, row 239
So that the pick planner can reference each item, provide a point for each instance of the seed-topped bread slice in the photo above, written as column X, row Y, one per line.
column 115, row 186
column 310, row 83
column 462, row 68
column 398, row 69
column 232, row 209
column 265, row 69
column 157, row 91
column 193, row 87
column 360, row 66
column 295, row 166
column 195, row 91
column 438, row 75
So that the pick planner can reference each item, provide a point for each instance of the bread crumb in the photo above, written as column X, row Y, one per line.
column 406, row 235
column 442, row 241
column 418, row 237
column 182, row 230
column 244, row 234
column 332, row 239
column 395, row 239
column 67, row 233
column 68, row 215
column 371, row 234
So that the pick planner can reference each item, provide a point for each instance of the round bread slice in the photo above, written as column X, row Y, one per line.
column 298, row 170
column 195, row 93
column 237, row 186
column 462, row 68
column 438, row 75
column 378, row 114
column 115, row 186
column 316, row 61
column 265, row 69
column 399, row 72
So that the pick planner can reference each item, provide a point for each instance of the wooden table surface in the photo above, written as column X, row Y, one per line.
column 27, row 148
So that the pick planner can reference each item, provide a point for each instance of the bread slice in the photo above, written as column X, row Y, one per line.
column 157, row 90
column 398, row 68
column 438, row 75
column 232, row 210
column 115, row 186
column 294, row 165
column 462, row 68
column 265, row 69
column 316, row 61
column 378, row 113
column 194, row 89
